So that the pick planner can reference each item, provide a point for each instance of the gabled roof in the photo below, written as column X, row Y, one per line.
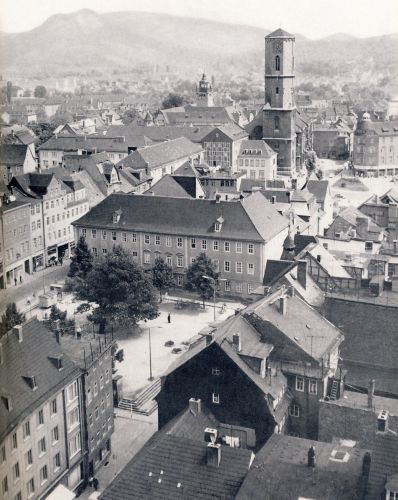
column 197, row 115
column 231, row 130
column 255, row 220
column 167, row 186
column 169, row 132
column 161, row 153
column 30, row 358
column 170, row 468
column 186, row 170
column 350, row 215
column 92, row 143
column 302, row 325
column 13, row 154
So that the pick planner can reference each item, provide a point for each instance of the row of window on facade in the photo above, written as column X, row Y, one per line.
column 24, row 249
column 246, row 162
column 104, row 403
column 82, row 209
column 195, row 243
column 102, row 381
column 30, row 485
column 60, row 233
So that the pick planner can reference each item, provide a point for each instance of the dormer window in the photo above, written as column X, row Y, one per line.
column 218, row 224
column 57, row 361
column 116, row 216
column 31, row 381
column 7, row 402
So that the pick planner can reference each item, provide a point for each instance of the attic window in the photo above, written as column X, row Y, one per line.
column 7, row 402
column 116, row 216
column 218, row 224
column 57, row 361
column 31, row 381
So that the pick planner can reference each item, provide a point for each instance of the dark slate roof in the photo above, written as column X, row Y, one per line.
column 170, row 467
column 247, row 185
column 280, row 471
column 383, row 129
column 167, row 186
column 384, row 463
column 91, row 143
column 350, row 215
column 191, row 425
column 364, row 345
column 13, row 154
column 169, row 132
column 319, row 189
column 253, row 218
column 30, row 358
column 135, row 136
column 161, row 153
column 35, row 185
column 275, row 269
column 280, row 33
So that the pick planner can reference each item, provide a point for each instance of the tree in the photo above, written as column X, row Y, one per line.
column 202, row 266
column 162, row 276
column 43, row 131
column 120, row 287
column 319, row 174
column 129, row 116
column 310, row 160
column 55, row 315
column 80, row 265
column 11, row 318
column 40, row 91
column 173, row 101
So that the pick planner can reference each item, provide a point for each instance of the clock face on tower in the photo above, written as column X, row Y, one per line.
column 277, row 45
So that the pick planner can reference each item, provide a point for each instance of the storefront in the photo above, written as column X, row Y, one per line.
column 38, row 262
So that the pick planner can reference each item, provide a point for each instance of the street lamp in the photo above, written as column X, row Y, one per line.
column 151, row 377
column 214, row 291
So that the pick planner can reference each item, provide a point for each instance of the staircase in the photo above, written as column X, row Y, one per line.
column 334, row 389
column 144, row 402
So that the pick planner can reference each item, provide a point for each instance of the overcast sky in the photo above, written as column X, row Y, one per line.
column 312, row 18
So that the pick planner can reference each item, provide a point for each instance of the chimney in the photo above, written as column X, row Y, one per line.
column 319, row 258
column 218, row 198
column 213, row 454
column 283, row 305
column 382, row 421
column 371, row 391
column 395, row 246
column 210, row 435
column 311, row 457
column 289, row 196
column 366, row 461
column 195, row 406
column 236, row 341
column 18, row 331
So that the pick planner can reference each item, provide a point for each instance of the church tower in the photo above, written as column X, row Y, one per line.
column 204, row 93
column 279, row 110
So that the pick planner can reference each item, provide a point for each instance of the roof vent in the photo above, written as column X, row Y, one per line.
column 31, row 381
column 236, row 342
column 7, row 401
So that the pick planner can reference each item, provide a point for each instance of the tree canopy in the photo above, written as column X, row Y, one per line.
column 80, row 265
column 40, row 91
column 120, row 288
column 55, row 315
column 162, row 276
column 202, row 266
column 173, row 101
column 11, row 318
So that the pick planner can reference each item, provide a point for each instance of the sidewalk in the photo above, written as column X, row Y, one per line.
column 34, row 283
column 132, row 431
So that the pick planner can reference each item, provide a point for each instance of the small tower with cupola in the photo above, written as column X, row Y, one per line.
column 204, row 93
column 279, row 110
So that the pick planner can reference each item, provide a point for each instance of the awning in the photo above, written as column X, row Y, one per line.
column 61, row 492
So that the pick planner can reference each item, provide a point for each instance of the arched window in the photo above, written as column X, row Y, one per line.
column 277, row 63
column 276, row 123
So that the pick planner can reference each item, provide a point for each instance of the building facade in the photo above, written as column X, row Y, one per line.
column 257, row 160
column 237, row 241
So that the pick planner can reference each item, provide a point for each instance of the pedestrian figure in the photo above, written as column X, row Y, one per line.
column 15, row 281
column 61, row 260
column 20, row 279
column 95, row 483
column 168, row 318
